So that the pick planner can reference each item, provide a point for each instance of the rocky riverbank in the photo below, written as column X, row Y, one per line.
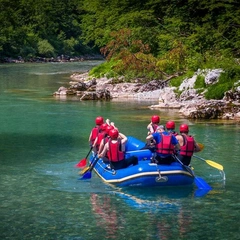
column 190, row 103
column 58, row 59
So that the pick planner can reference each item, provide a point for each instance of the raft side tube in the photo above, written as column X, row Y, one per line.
column 144, row 154
column 134, row 144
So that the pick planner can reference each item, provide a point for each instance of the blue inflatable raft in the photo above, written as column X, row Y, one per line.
column 145, row 173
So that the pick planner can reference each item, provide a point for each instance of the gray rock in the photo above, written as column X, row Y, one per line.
column 190, row 103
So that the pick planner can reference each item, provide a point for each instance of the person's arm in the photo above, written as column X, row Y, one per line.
column 149, row 137
column 104, row 151
column 177, row 147
column 90, row 136
column 95, row 141
column 108, row 122
column 101, row 146
column 180, row 139
column 175, row 143
column 150, row 128
column 196, row 147
column 123, row 141
column 94, row 144
column 123, row 138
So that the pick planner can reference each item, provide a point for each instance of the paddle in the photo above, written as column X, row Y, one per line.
column 211, row 163
column 82, row 163
column 87, row 172
column 200, row 183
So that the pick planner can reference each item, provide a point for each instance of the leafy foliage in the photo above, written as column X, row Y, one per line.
column 200, row 82
column 226, row 82
column 26, row 23
column 176, row 82
column 151, row 39
column 217, row 91
column 104, row 69
column 45, row 48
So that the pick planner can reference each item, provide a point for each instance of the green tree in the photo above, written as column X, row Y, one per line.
column 45, row 49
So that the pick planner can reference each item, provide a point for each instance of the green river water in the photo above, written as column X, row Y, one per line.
column 42, row 137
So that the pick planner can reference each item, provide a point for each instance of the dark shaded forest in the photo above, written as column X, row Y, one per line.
column 150, row 39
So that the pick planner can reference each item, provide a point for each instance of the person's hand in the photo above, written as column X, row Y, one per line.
column 108, row 122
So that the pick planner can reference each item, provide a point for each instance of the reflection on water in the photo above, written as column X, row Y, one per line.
column 43, row 137
column 156, row 199
column 159, row 210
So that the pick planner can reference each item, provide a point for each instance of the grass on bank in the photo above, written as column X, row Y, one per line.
column 229, row 79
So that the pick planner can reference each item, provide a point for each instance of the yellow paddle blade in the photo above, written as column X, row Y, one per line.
column 84, row 170
column 214, row 164
column 201, row 146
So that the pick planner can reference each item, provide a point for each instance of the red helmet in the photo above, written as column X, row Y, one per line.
column 108, row 128
column 113, row 133
column 170, row 125
column 184, row 128
column 103, row 126
column 155, row 119
column 99, row 120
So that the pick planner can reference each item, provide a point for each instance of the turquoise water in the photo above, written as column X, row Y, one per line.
column 42, row 137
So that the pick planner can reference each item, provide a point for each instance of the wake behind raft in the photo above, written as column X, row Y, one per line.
column 145, row 174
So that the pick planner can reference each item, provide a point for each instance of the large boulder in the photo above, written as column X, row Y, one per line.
column 97, row 95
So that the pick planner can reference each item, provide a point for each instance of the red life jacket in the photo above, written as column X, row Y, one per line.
column 154, row 126
column 165, row 146
column 106, row 139
column 100, row 137
column 188, row 146
column 114, row 153
column 94, row 134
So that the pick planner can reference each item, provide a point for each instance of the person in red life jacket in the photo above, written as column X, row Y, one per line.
column 106, row 138
column 115, row 151
column 152, row 126
column 187, row 144
column 101, row 135
column 170, row 126
column 166, row 144
column 94, row 132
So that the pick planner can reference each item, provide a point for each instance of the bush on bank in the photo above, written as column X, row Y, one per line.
column 229, row 78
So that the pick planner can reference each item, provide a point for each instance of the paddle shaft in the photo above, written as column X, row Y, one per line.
column 91, row 166
column 200, row 183
column 94, row 162
column 211, row 163
column 199, row 158
column 89, row 152
column 185, row 167
column 80, row 164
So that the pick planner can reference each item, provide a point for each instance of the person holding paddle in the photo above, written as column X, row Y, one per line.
column 106, row 138
column 187, row 144
column 94, row 132
column 114, row 149
column 101, row 135
column 152, row 126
